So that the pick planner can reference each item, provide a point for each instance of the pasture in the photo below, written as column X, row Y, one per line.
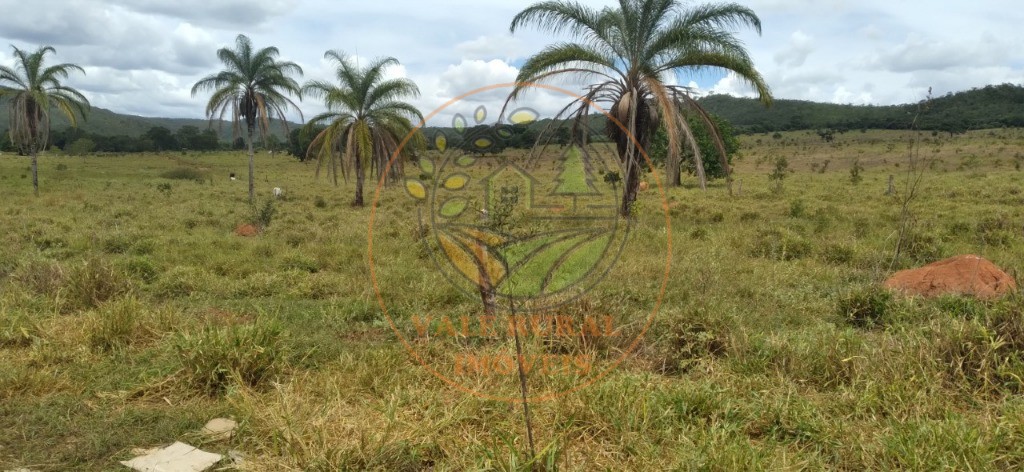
column 131, row 313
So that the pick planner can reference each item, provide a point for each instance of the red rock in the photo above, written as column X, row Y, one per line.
column 960, row 275
column 247, row 230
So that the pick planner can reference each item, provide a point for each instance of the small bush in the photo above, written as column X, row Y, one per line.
column 62, row 167
column 140, row 267
column 115, row 324
column 218, row 356
column 319, row 202
column 797, row 208
column 40, row 276
column 262, row 216
column 185, row 173
column 781, row 245
column 93, row 282
column 17, row 329
column 836, row 253
column 867, row 307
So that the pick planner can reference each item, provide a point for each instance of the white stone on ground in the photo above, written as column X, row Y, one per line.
column 219, row 428
column 178, row 457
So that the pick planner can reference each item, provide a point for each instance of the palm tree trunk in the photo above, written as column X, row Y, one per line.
column 672, row 171
column 35, row 173
column 359, row 183
column 252, row 170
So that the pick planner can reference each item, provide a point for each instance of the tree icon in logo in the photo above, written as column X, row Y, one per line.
column 505, row 227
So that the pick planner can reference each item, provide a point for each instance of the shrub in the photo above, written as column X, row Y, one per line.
column 986, row 354
column 261, row 216
column 140, row 267
column 866, row 307
column 319, row 202
column 781, row 245
column 185, row 173
column 836, row 253
column 40, row 276
column 217, row 356
column 93, row 282
column 115, row 324
column 17, row 329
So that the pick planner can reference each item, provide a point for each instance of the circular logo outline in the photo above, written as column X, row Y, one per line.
column 406, row 343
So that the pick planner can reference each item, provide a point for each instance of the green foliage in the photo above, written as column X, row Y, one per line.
column 866, row 307
column 80, row 147
column 992, row 106
column 780, row 244
column 261, row 216
column 185, row 173
column 709, row 152
column 779, row 173
column 365, row 121
column 855, row 171
column 115, row 324
column 216, row 357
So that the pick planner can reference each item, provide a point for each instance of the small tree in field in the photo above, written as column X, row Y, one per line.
column 33, row 90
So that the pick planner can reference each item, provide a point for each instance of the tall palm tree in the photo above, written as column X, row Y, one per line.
column 633, row 51
column 253, row 86
column 365, row 122
column 33, row 90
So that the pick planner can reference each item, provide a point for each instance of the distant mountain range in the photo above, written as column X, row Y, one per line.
column 988, row 107
column 108, row 123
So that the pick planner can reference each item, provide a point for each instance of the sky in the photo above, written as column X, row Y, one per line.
column 142, row 57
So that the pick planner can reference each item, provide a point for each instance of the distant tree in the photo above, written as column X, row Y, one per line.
column 272, row 143
column 80, row 147
column 162, row 138
column 365, row 121
column 253, row 87
column 206, row 141
column 33, row 90
column 187, row 136
column 705, row 142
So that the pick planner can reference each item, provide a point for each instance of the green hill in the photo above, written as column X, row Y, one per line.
column 101, row 121
column 993, row 106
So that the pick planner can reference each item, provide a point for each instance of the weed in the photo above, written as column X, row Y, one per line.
column 215, row 357
column 866, row 307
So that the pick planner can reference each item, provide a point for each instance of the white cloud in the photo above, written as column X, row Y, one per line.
column 142, row 56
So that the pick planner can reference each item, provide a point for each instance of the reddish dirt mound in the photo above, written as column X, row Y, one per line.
column 247, row 230
column 960, row 275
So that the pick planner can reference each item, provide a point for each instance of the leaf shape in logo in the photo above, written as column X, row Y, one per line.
column 426, row 165
column 456, row 182
column 490, row 238
column 504, row 133
column 472, row 258
column 480, row 115
column 441, row 142
column 453, row 207
column 523, row 116
column 483, row 143
column 416, row 189
column 459, row 122
column 465, row 161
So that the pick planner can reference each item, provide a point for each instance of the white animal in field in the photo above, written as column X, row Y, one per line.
column 278, row 193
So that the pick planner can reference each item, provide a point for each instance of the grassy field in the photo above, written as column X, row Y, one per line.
column 130, row 314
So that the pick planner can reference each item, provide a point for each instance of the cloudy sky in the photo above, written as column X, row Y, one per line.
column 142, row 56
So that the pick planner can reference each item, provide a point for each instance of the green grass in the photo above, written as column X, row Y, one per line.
column 130, row 314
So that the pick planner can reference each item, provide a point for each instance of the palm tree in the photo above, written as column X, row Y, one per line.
column 33, row 90
column 365, row 122
column 253, row 87
column 633, row 51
